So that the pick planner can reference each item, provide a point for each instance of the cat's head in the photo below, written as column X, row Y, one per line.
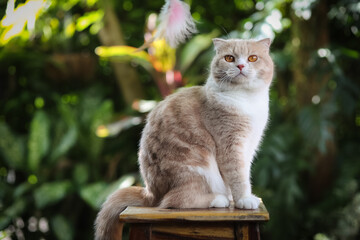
column 244, row 64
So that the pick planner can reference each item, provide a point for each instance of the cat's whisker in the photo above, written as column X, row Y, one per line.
column 222, row 77
column 224, row 80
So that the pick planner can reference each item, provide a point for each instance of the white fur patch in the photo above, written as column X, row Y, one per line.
column 253, row 104
column 220, row 201
column 250, row 202
column 212, row 176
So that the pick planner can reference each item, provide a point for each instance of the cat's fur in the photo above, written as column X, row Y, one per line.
column 198, row 144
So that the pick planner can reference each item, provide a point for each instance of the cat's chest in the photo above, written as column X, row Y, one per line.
column 254, row 107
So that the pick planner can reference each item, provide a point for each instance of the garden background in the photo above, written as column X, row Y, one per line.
column 74, row 95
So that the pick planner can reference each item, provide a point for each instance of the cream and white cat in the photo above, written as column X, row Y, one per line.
column 198, row 144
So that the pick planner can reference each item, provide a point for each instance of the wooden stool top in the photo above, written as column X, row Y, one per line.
column 150, row 214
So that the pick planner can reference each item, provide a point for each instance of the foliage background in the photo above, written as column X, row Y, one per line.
column 70, row 123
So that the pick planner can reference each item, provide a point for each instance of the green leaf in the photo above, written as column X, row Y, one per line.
column 38, row 143
column 88, row 19
column 81, row 173
column 12, row 27
column 63, row 229
column 65, row 132
column 101, row 116
column 91, row 194
column 21, row 189
column 95, row 194
column 67, row 113
column 12, row 147
column 316, row 128
column 195, row 46
column 50, row 193
column 123, row 182
column 4, row 222
column 350, row 52
column 125, row 54
column 66, row 141
column 16, row 209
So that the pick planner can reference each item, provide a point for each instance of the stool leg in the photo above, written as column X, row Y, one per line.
column 140, row 231
column 247, row 231
column 241, row 231
column 254, row 231
column 120, row 230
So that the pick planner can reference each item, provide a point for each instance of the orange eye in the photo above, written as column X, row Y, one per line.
column 229, row 58
column 252, row 58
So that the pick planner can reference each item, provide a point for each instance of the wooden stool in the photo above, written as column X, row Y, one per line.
column 213, row 223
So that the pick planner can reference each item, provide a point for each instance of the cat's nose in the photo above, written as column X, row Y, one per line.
column 241, row 66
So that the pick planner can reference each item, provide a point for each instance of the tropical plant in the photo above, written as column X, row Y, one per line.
column 72, row 93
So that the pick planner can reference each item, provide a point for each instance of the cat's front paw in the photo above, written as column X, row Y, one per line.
column 250, row 202
column 220, row 201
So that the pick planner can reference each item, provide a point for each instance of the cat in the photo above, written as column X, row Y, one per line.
column 198, row 144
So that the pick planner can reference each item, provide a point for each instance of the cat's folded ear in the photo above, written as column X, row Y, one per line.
column 266, row 42
column 218, row 42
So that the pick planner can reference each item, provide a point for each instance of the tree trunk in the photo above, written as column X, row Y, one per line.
column 308, row 37
column 126, row 75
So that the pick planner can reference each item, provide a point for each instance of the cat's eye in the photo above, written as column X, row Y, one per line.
column 252, row 58
column 229, row 58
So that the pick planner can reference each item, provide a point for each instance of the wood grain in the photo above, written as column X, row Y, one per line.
column 175, row 224
column 140, row 231
column 196, row 230
column 242, row 231
column 146, row 214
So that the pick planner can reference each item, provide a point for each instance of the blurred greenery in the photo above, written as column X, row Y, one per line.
column 69, row 131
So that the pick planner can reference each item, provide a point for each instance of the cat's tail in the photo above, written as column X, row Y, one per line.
column 107, row 224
